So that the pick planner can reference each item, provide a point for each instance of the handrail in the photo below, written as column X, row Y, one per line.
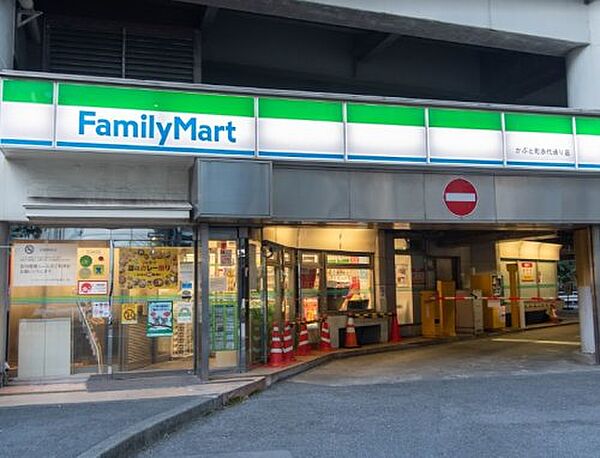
column 96, row 350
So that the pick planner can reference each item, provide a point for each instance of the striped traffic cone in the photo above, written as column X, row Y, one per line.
column 276, row 354
column 303, row 344
column 325, row 344
column 288, row 343
column 350, row 341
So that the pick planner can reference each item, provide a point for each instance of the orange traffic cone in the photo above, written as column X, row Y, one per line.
column 350, row 341
column 325, row 344
column 288, row 343
column 303, row 344
column 276, row 354
column 395, row 329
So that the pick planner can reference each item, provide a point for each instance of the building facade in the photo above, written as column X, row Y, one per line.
column 180, row 177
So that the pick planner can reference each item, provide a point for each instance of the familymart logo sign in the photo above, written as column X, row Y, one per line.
column 147, row 126
column 133, row 119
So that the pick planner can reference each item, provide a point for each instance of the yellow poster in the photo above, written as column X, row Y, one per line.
column 129, row 314
column 148, row 268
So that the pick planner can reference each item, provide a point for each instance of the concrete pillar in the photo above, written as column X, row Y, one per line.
column 583, row 262
column 7, row 33
column 587, row 259
column 583, row 66
column 4, row 259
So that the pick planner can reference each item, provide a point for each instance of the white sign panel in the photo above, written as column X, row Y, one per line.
column 539, row 149
column 44, row 264
column 465, row 146
column 26, row 124
column 141, row 130
column 588, row 151
column 385, row 142
column 301, row 139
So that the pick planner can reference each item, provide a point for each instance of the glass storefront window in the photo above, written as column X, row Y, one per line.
column 400, row 244
column 404, row 288
column 69, row 285
column 256, row 317
column 289, row 286
column 152, row 300
column 310, row 283
column 349, row 282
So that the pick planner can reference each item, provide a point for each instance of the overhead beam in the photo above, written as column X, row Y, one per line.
column 208, row 18
column 369, row 49
column 403, row 25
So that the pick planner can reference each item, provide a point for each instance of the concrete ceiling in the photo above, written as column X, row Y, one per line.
column 394, row 24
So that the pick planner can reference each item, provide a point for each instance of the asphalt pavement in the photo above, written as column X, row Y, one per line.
column 65, row 430
column 67, row 419
column 526, row 394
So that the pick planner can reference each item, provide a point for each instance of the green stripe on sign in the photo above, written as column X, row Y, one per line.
column 521, row 122
column 309, row 110
column 464, row 119
column 588, row 126
column 147, row 99
column 386, row 114
column 28, row 91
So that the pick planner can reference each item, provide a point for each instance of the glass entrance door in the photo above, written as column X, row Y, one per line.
column 257, row 319
column 274, row 286
column 224, row 304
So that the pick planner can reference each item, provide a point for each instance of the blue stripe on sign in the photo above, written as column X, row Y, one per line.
column 540, row 164
column 437, row 160
column 300, row 155
column 170, row 149
column 361, row 157
column 589, row 166
column 18, row 141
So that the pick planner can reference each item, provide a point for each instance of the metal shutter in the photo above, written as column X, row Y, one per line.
column 119, row 52
column 84, row 52
column 159, row 58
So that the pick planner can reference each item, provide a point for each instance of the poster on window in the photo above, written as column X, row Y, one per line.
column 183, row 312
column 93, row 263
column 527, row 272
column 92, row 288
column 129, row 313
column 100, row 309
column 44, row 264
column 160, row 319
column 148, row 268
column 402, row 275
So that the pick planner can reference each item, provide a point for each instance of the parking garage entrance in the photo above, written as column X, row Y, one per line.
column 434, row 282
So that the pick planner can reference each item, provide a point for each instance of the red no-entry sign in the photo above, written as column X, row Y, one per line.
column 460, row 197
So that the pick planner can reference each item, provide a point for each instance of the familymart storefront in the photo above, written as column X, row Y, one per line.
column 123, row 198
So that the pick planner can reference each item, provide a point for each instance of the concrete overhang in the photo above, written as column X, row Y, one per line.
column 478, row 28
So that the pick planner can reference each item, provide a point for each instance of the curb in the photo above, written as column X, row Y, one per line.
column 144, row 433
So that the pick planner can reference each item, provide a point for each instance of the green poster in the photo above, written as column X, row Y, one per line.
column 160, row 319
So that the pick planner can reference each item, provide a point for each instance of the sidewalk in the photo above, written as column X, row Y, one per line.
column 115, row 417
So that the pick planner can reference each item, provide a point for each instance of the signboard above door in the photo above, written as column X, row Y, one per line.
column 81, row 115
